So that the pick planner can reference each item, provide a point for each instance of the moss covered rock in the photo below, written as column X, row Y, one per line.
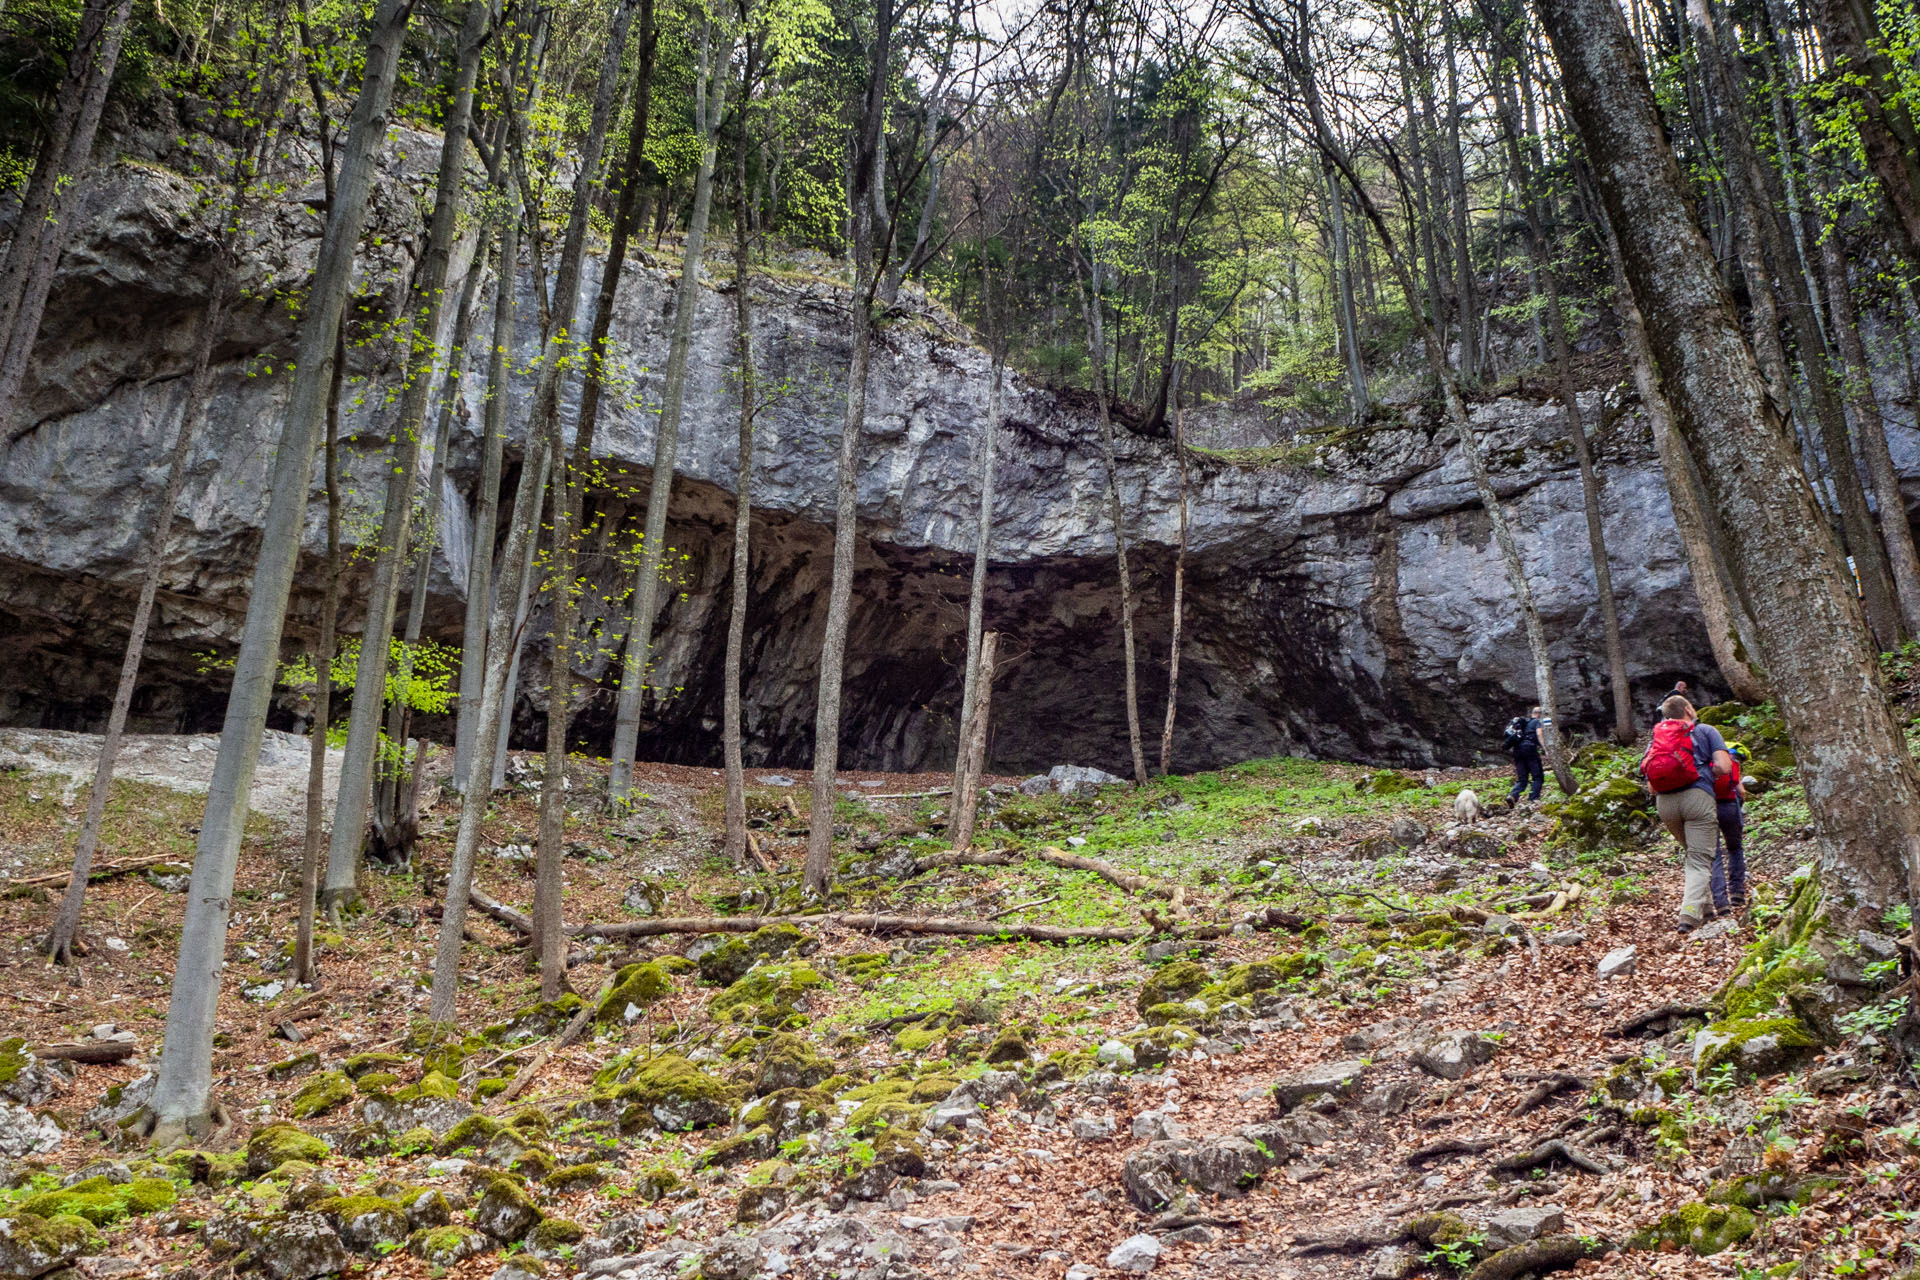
column 1755, row 1046
column 654, row 1182
column 1172, row 984
column 770, row 996
column 298, row 1065
column 505, row 1211
column 32, row 1245
column 443, row 1247
column 636, row 986
column 1009, row 1046
column 728, row 962
column 789, row 1112
column 101, row 1202
column 755, row 1145
column 1607, row 813
column 789, row 1062
column 367, row 1224
column 577, row 1177
column 273, row 1145
column 665, row 1092
column 553, row 1237
column 1703, row 1227
column 361, row 1064
column 323, row 1093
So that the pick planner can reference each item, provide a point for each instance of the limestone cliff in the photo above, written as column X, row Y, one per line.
column 1342, row 602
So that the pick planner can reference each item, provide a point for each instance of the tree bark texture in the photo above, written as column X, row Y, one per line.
column 732, row 748
column 974, row 753
column 982, row 551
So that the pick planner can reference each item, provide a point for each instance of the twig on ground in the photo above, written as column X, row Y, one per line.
column 1555, row 1083
column 1641, row 1021
column 1546, row 1153
column 1451, row 1147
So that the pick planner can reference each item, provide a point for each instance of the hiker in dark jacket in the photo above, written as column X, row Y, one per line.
column 1523, row 744
column 1730, row 858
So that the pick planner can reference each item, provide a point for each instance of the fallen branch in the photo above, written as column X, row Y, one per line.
column 908, row 795
column 873, row 924
column 1105, row 870
column 1452, row 1147
column 1175, row 1221
column 1023, row 906
column 94, row 1053
column 104, row 871
column 1359, row 1239
column 1641, row 1021
column 1546, row 1153
column 753, row 846
column 1558, row 1082
column 939, row 861
column 502, row 912
column 1537, row 1257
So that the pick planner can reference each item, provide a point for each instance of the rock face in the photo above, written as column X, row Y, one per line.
column 1345, row 602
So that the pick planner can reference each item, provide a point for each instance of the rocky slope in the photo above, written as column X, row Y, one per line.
column 1345, row 602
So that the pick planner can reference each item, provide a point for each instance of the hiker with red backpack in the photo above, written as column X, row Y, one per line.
column 1680, row 767
column 1730, row 872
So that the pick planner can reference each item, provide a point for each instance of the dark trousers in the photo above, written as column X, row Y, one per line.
column 1526, row 769
column 1730, row 856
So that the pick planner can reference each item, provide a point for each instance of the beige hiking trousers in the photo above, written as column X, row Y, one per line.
column 1692, row 818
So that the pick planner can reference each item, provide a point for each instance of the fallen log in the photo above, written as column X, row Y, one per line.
column 874, row 924
column 94, row 1053
column 940, row 861
column 102, row 871
column 501, row 911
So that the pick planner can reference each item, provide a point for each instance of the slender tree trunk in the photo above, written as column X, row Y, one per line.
column 982, row 544
column 182, row 1103
column 1884, row 115
column 1896, row 530
column 59, row 944
column 480, row 582
column 1730, row 631
column 1859, row 779
column 348, row 836
column 866, row 186
column 1343, row 283
column 40, row 233
column 1465, row 287
column 711, row 93
column 573, row 473
column 1179, row 600
column 521, row 576
column 1562, row 349
column 306, row 971
column 974, row 756
column 516, row 565
column 731, row 747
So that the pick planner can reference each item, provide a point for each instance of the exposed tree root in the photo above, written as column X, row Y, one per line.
column 1106, row 871
column 1545, row 1153
column 1641, row 1021
column 1555, row 1083
column 1451, row 1147
column 1536, row 1257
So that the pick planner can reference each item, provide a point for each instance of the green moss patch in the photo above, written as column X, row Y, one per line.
column 1703, row 1227
column 636, row 985
column 323, row 1093
column 274, row 1145
column 103, row 1203
column 1172, row 984
column 730, row 961
column 768, row 997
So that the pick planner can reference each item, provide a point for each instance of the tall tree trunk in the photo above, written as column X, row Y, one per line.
column 476, row 799
column 1730, row 631
column 731, row 746
column 182, row 1103
column 424, row 304
column 59, row 944
column 1859, row 779
column 1562, row 348
column 1465, row 286
column 572, row 474
column 306, row 971
column 40, row 233
column 1856, row 378
column 1884, row 117
column 982, row 541
column 1343, row 284
column 973, row 756
column 710, row 105
column 1179, row 599
column 865, row 188
column 480, row 579
column 1750, row 180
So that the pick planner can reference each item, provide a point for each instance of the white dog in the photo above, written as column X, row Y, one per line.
column 1467, row 808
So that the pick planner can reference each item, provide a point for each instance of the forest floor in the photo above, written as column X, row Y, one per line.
column 813, row 1100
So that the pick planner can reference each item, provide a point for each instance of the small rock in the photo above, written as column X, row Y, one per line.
column 1391, row 1263
column 1115, row 1054
column 1564, row 938
column 301, row 1246
column 1038, row 785
column 1620, row 962
column 521, row 1268
column 1155, row 1126
column 1341, row 1079
column 1715, row 929
column 1510, row 1227
column 1407, row 833
column 774, row 780
column 1081, row 1271
column 1453, row 1054
column 1391, row 1099
column 735, row 1258
column 22, row 1133
column 1093, row 1128
column 1498, row 925
column 1078, row 842
column 1195, row 1234
column 263, row 991
column 1139, row 1253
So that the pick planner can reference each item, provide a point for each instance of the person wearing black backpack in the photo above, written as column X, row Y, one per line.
column 1522, row 739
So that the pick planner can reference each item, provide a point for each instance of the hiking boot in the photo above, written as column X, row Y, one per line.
column 1687, row 924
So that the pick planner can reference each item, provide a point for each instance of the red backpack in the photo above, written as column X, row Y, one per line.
column 1727, row 788
column 1669, row 764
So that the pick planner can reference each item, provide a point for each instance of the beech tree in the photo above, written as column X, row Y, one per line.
column 182, row 1104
